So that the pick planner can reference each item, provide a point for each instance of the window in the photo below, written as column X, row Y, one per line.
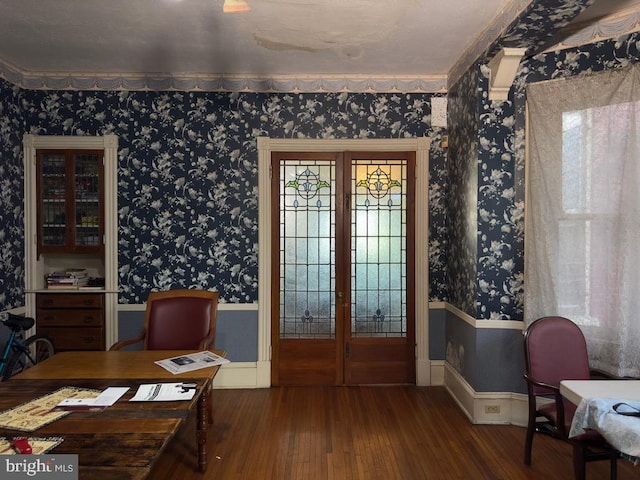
column 593, row 144
column 583, row 212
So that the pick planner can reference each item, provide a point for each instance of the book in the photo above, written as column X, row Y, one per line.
column 70, row 278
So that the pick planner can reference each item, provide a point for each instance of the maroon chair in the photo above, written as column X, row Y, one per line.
column 555, row 349
column 178, row 320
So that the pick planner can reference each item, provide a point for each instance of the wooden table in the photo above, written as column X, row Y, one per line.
column 123, row 440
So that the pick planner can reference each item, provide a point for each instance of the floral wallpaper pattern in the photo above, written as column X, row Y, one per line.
column 187, row 170
column 486, row 213
column 187, row 173
column 12, row 265
column 500, row 212
column 463, row 179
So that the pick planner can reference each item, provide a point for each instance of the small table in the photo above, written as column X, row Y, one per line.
column 124, row 440
column 595, row 399
column 576, row 390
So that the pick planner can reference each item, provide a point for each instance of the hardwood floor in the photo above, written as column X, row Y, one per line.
column 370, row 433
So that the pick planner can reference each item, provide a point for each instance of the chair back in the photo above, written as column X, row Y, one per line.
column 181, row 320
column 555, row 350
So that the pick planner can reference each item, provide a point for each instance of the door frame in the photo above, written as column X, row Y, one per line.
column 420, row 146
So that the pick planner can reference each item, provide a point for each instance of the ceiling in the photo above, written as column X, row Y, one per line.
column 355, row 42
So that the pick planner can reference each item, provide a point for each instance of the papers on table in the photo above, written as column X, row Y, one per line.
column 193, row 361
column 164, row 392
column 107, row 398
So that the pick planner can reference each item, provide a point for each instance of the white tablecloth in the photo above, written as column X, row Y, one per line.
column 622, row 432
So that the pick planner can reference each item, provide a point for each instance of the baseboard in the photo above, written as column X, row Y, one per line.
column 437, row 372
column 237, row 375
column 258, row 374
column 504, row 408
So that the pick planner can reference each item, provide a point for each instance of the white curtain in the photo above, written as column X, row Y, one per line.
column 582, row 232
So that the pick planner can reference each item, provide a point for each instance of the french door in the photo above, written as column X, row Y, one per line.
column 343, row 283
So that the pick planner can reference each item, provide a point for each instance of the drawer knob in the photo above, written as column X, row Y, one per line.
column 89, row 339
column 88, row 319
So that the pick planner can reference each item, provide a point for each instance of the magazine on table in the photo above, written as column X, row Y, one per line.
column 192, row 361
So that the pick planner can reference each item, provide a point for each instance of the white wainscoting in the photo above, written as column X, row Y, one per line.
column 486, row 407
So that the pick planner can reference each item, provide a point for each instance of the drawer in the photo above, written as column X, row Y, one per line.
column 70, row 318
column 75, row 338
column 69, row 300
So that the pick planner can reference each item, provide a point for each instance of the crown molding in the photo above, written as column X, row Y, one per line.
column 482, row 44
column 223, row 83
column 614, row 26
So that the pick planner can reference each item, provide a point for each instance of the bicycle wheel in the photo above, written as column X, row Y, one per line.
column 34, row 350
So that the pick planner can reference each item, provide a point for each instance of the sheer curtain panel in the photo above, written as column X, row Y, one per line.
column 582, row 233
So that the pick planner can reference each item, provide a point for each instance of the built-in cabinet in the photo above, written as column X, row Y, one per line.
column 70, row 198
column 73, row 321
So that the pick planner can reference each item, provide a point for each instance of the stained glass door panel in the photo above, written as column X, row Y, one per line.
column 378, row 249
column 379, row 335
column 342, row 283
column 304, row 316
column 307, row 250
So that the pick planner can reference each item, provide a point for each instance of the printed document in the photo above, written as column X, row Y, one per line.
column 193, row 361
column 107, row 398
column 164, row 392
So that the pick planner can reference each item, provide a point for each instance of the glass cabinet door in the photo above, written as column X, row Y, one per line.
column 53, row 204
column 69, row 201
column 87, row 200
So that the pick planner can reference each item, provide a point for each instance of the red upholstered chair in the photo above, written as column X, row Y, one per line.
column 555, row 349
column 178, row 320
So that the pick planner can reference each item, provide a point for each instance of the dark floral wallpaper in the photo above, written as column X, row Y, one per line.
column 12, row 265
column 486, row 204
column 461, row 202
column 187, row 175
column 188, row 171
column 500, row 212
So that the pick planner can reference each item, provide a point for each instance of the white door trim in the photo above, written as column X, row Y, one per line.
column 33, row 268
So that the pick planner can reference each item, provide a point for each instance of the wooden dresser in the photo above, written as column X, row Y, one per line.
column 74, row 321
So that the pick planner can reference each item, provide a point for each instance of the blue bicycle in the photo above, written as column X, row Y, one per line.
column 20, row 354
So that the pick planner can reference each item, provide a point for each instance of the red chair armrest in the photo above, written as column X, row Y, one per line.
column 123, row 343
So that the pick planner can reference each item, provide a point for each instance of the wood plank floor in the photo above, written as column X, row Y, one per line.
column 344, row 433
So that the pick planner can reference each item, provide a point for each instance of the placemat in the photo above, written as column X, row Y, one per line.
column 38, row 445
column 38, row 412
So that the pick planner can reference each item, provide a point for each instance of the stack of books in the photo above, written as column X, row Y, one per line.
column 72, row 278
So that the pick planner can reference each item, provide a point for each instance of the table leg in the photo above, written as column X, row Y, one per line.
column 201, row 433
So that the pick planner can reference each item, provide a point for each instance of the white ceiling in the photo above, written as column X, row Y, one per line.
column 308, row 39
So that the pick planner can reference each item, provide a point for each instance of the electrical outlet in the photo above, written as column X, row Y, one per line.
column 492, row 409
